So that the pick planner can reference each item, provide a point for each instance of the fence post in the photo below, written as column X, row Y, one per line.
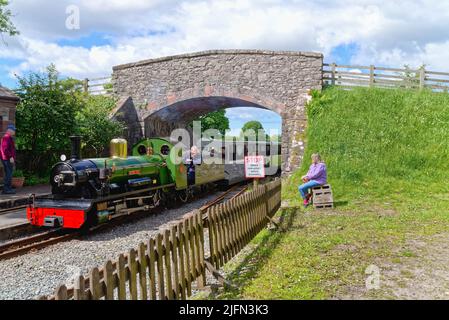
column 61, row 293
column 422, row 77
column 371, row 75
column 333, row 65
column 86, row 85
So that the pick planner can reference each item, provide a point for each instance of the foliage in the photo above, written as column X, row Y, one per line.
column 215, row 120
column 371, row 134
column 45, row 117
column 32, row 180
column 108, row 87
column 6, row 26
column 411, row 78
column 52, row 109
column 18, row 174
column 95, row 125
column 253, row 127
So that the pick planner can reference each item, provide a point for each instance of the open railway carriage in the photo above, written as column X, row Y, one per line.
column 86, row 192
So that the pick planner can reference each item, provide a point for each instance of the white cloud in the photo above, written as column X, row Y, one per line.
column 386, row 32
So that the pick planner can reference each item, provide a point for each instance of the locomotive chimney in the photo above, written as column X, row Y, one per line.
column 76, row 147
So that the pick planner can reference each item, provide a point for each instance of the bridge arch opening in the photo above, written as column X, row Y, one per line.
column 181, row 114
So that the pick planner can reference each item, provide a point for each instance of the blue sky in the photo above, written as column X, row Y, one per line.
column 112, row 32
column 271, row 121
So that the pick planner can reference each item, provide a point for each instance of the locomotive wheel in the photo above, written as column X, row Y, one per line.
column 157, row 198
column 168, row 200
column 184, row 195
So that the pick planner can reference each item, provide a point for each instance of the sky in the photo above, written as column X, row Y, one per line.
column 112, row 32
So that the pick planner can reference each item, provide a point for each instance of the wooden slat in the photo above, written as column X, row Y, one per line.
column 94, row 284
column 168, row 269
column 188, row 257
column 109, row 280
column 61, row 293
column 220, row 236
column 346, row 66
column 212, row 236
column 437, row 80
column 239, row 229
column 78, row 293
column 121, row 277
column 232, row 227
column 182, row 274
column 102, row 78
column 132, row 272
column 160, row 268
column 197, row 222
column 396, row 69
column 142, row 271
column 152, row 263
column 193, row 251
column 202, row 254
column 174, row 242
column 438, row 73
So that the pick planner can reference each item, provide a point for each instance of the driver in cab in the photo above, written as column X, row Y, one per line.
column 192, row 159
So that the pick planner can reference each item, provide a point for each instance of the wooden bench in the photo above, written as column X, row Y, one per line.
column 322, row 197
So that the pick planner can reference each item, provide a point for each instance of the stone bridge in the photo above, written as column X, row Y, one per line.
column 168, row 93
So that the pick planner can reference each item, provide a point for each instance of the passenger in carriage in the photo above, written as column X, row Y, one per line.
column 192, row 159
column 316, row 176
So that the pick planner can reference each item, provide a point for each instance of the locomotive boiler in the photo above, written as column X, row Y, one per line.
column 94, row 178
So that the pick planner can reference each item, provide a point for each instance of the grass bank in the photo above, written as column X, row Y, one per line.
column 387, row 153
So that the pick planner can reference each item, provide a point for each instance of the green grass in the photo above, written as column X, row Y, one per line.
column 387, row 153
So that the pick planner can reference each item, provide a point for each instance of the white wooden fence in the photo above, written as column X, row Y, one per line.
column 372, row 76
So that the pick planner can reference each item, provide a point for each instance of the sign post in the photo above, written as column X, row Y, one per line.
column 255, row 168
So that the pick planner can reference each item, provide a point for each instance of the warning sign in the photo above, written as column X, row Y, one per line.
column 254, row 167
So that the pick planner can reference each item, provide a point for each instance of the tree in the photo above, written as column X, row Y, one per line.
column 45, row 118
column 215, row 120
column 6, row 26
column 253, row 129
column 51, row 109
column 95, row 125
column 252, row 125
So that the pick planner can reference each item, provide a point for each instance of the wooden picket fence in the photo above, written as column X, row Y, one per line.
column 168, row 264
column 233, row 224
column 162, row 268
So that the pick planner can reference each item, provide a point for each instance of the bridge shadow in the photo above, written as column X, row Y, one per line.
column 247, row 269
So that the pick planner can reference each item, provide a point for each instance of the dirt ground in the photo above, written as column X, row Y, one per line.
column 419, row 272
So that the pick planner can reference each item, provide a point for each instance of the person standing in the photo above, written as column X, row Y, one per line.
column 8, row 155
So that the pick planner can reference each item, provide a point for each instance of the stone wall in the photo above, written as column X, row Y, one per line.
column 126, row 113
column 275, row 80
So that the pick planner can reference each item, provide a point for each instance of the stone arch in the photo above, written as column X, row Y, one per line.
column 182, row 107
column 275, row 80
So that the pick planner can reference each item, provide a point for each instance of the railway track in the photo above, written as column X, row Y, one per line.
column 233, row 192
column 36, row 242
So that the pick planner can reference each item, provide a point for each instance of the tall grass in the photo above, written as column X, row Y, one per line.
column 379, row 141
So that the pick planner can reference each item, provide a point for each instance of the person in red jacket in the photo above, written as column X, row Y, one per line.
column 8, row 155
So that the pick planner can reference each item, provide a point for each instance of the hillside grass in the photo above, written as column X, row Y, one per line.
column 387, row 153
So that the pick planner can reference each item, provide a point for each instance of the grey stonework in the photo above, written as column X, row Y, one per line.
column 126, row 112
column 170, row 92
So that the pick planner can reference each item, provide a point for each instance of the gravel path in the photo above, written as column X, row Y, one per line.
column 39, row 273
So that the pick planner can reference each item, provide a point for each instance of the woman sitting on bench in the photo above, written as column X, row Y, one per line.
column 317, row 176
